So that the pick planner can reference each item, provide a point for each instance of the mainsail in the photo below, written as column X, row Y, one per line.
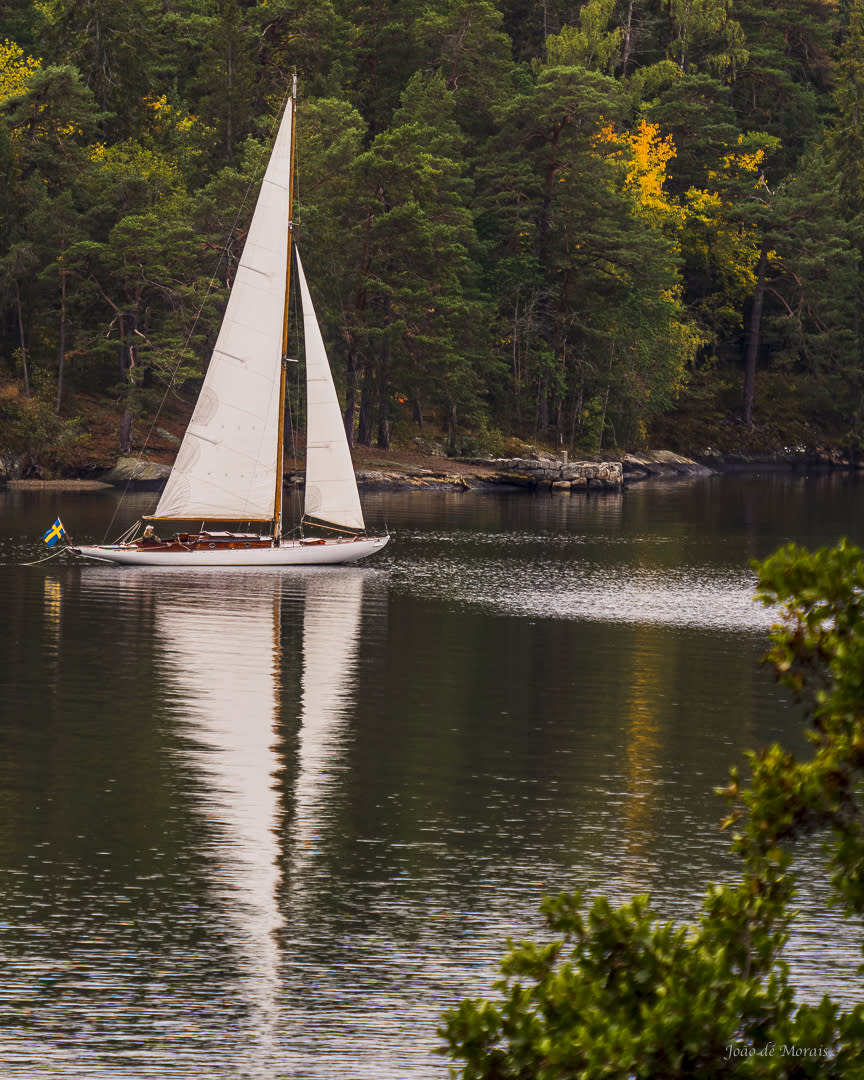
column 226, row 466
column 331, row 487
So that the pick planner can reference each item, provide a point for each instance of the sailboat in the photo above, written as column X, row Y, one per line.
column 229, row 468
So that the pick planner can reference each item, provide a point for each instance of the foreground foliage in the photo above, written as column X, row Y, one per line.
column 619, row 993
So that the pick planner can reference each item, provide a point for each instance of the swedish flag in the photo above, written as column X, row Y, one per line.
column 55, row 533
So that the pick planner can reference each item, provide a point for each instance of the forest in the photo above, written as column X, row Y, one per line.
column 593, row 226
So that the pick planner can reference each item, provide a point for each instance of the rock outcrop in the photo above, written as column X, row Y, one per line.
column 137, row 473
column 11, row 465
column 546, row 473
column 556, row 474
column 786, row 459
column 662, row 463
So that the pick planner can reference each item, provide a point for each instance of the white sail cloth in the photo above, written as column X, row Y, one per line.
column 331, row 487
column 226, row 467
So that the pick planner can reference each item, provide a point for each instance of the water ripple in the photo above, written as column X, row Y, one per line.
column 564, row 580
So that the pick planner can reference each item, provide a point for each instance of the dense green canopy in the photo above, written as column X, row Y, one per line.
column 576, row 223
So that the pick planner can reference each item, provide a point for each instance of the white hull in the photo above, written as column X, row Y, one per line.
column 289, row 553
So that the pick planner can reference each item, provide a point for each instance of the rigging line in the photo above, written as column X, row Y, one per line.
column 332, row 528
column 253, row 183
column 53, row 555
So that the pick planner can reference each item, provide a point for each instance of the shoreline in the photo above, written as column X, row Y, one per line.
column 73, row 485
column 379, row 470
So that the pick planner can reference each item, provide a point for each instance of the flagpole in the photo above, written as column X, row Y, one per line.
column 52, row 537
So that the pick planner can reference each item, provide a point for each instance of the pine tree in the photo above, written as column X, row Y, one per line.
column 417, row 233
column 782, row 88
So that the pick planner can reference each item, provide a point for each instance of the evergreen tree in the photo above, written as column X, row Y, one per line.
column 145, row 277
column 845, row 148
column 225, row 87
column 845, row 137
column 383, row 55
column 466, row 43
column 694, row 110
column 311, row 38
column 810, row 319
column 330, row 136
column 783, row 86
column 418, row 232
column 44, row 129
column 604, row 291
column 111, row 44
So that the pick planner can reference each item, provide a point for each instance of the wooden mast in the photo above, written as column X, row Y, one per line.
column 280, row 439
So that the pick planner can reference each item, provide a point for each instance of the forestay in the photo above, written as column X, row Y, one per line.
column 331, row 487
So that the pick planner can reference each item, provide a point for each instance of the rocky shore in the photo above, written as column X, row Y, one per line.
column 498, row 474
column 542, row 471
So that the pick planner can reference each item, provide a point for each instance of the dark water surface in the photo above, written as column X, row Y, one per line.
column 271, row 823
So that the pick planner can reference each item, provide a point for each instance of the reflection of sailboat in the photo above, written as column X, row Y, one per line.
column 229, row 466
column 230, row 699
column 228, row 707
column 331, row 630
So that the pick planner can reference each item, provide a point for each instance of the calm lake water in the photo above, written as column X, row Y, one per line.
column 271, row 824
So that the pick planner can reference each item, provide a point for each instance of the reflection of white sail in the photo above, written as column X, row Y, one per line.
column 331, row 627
column 221, row 637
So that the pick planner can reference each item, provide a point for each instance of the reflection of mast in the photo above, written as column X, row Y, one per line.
column 223, row 640
column 331, row 627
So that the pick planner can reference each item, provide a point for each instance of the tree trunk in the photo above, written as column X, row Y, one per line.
column 127, row 368
column 384, row 401
column 359, row 388
column 23, row 340
column 352, row 392
column 229, row 101
column 627, row 47
column 753, row 342
column 603, row 418
column 126, row 431
column 451, row 427
column 365, row 417
column 542, row 405
column 517, row 373
column 576, row 415
column 61, row 358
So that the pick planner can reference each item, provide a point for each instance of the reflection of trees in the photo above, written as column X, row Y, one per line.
column 643, row 751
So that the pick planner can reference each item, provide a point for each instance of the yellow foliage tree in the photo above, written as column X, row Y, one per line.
column 646, row 152
column 723, row 238
column 16, row 69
